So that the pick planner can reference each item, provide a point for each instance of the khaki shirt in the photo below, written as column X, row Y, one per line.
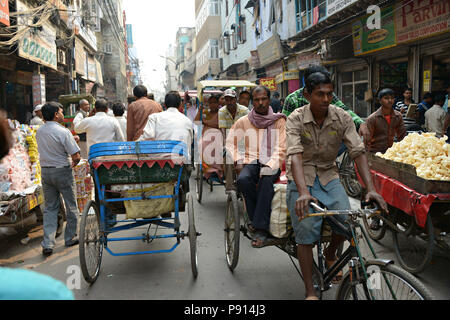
column 320, row 146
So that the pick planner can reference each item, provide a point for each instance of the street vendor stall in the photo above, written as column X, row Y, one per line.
column 20, row 180
column 414, row 179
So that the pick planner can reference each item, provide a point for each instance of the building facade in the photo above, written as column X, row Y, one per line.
column 208, row 31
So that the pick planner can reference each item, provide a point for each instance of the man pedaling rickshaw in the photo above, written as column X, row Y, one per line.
column 264, row 135
column 314, row 134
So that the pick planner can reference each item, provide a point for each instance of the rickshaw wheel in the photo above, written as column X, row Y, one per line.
column 192, row 233
column 232, row 231
column 199, row 182
column 91, row 242
column 414, row 246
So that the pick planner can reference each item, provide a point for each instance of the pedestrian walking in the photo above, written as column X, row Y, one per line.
column 55, row 145
column 100, row 127
column 138, row 113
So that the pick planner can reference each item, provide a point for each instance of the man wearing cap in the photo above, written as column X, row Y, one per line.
column 83, row 112
column 228, row 115
column 37, row 119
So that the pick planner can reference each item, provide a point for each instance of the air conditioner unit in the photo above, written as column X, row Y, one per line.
column 61, row 57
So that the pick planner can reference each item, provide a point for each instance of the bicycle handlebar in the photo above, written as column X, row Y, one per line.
column 323, row 212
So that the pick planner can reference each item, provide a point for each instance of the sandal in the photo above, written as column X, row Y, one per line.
column 263, row 239
column 311, row 298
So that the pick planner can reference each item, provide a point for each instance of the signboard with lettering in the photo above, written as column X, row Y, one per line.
column 38, row 82
column 80, row 57
column 367, row 40
column 417, row 19
column 4, row 12
column 334, row 6
column 269, row 83
column 35, row 45
column 304, row 60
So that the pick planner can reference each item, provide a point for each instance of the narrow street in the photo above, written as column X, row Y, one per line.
column 261, row 274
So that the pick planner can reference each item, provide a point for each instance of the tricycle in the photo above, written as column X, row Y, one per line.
column 147, row 180
column 208, row 87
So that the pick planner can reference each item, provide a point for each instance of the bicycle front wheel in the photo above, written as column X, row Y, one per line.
column 386, row 282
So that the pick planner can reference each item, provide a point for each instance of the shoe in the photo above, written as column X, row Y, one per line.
column 72, row 242
column 47, row 252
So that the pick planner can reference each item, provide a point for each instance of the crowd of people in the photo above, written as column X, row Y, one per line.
column 306, row 132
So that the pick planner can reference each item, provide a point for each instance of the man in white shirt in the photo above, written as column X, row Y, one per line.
column 118, row 111
column 170, row 124
column 435, row 116
column 100, row 128
column 37, row 119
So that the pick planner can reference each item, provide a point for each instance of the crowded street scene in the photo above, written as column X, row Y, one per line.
column 224, row 156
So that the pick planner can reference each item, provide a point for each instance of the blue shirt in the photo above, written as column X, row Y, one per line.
column 19, row 284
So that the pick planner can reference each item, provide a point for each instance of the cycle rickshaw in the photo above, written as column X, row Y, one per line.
column 204, row 88
column 367, row 278
column 145, row 179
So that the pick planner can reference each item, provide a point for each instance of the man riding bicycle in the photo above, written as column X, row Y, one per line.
column 314, row 135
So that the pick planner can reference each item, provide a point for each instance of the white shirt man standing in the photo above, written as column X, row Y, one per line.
column 118, row 111
column 99, row 128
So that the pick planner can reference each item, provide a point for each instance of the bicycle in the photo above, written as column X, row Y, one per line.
column 366, row 279
column 348, row 176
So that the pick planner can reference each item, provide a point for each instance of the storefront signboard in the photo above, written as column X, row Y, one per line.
column 417, row 19
column 80, row 57
column 304, row 60
column 366, row 40
column 4, row 12
column 334, row 6
column 35, row 45
column 91, row 69
column 426, row 80
column 273, row 70
column 279, row 78
column 269, row 83
column 286, row 76
column 38, row 82
column 99, row 72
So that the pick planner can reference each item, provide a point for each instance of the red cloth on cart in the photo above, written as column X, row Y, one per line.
column 402, row 197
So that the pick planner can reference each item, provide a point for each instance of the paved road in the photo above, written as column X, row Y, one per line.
column 261, row 274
